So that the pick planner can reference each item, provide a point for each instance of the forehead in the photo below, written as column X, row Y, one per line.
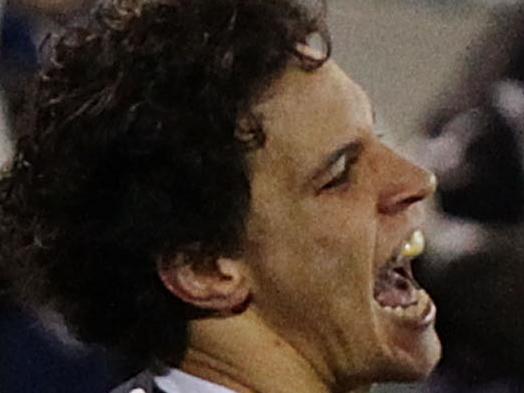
column 309, row 114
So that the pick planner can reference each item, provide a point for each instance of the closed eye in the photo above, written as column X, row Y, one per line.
column 338, row 168
column 338, row 173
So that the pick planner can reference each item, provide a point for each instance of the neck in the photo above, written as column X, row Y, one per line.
column 244, row 355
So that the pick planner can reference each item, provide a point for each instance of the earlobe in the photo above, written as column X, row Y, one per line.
column 221, row 287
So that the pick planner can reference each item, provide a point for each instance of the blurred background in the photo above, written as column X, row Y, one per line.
column 447, row 80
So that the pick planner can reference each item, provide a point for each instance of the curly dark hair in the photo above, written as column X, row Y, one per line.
column 136, row 154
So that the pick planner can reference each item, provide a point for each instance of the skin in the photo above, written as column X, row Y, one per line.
column 311, row 252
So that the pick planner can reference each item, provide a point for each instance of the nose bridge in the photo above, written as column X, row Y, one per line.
column 402, row 183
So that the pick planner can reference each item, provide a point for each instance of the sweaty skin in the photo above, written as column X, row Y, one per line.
column 317, row 230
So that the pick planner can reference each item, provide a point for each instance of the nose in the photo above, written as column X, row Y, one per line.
column 405, row 183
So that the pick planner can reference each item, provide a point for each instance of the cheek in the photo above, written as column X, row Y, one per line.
column 345, row 230
column 309, row 254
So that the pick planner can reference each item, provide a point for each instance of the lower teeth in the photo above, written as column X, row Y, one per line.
column 412, row 311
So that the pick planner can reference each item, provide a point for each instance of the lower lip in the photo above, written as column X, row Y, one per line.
column 421, row 322
column 428, row 316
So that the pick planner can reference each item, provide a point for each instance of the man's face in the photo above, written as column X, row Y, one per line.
column 331, row 208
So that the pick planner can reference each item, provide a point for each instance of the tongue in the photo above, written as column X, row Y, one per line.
column 393, row 289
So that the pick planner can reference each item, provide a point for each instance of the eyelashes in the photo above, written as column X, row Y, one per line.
column 338, row 173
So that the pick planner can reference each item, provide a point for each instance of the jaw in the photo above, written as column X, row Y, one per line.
column 218, row 348
column 410, row 352
column 397, row 352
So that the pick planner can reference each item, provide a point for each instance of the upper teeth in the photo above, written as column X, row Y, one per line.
column 414, row 246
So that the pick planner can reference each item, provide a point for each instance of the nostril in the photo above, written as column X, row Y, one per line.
column 413, row 199
column 406, row 184
column 399, row 202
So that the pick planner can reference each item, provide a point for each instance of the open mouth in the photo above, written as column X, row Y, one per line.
column 396, row 290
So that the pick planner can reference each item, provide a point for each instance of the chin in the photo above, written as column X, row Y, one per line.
column 408, row 354
column 397, row 351
column 418, row 364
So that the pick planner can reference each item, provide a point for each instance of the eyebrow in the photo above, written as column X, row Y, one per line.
column 351, row 150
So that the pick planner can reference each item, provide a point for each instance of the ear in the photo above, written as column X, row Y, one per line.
column 221, row 286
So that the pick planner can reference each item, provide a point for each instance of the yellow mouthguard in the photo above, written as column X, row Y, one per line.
column 414, row 246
